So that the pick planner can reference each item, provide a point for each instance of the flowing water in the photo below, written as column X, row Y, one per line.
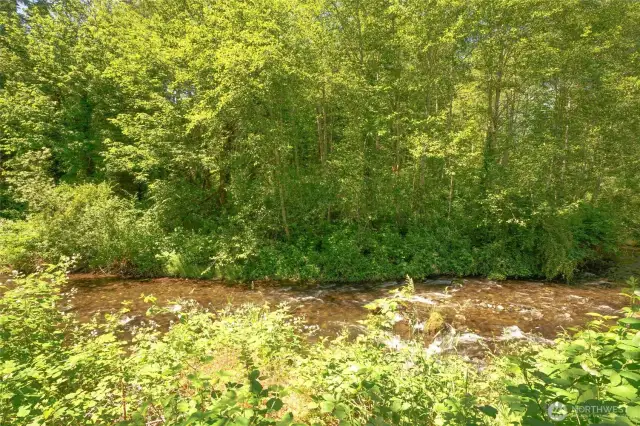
column 478, row 309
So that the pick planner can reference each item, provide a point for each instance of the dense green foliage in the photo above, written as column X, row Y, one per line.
column 255, row 366
column 592, row 367
column 319, row 139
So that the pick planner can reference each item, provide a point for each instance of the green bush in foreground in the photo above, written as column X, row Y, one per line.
column 591, row 368
column 254, row 366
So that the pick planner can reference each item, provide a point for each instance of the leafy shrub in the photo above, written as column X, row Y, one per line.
column 87, row 219
column 19, row 242
column 187, row 254
column 113, row 234
column 254, row 365
column 597, row 366
column 57, row 371
column 379, row 379
column 45, row 379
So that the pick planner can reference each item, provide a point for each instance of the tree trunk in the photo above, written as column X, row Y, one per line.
column 283, row 207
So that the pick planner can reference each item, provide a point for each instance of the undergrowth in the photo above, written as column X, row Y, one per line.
column 117, row 235
column 254, row 365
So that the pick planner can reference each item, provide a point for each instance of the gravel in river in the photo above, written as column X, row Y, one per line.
column 477, row 309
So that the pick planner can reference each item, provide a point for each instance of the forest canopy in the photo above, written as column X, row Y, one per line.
column 319, row 139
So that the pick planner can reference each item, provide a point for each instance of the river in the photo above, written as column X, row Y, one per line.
column 477, row 309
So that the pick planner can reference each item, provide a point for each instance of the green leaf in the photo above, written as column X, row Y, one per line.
column 286, row 420
column 489, row 411
column 341, row 411
column 630, row 375
column 588, row 392
column 23, row 411
column 327, row 406
column 254, row 375
column 624, row 391
column 633, row 323
column 242, row 421
column 274, row 404
column 634, row 413
column 615, row 379
column 256, row 387
column 589, row 369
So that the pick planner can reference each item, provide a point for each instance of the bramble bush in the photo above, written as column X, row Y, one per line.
column 598, row 365
column 89, row 219
column 253, row 365
column 58, row 371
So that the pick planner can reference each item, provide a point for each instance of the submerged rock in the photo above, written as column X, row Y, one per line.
column 606, row 308
column 531, row 314
column 469, row 338
column 600, row 283
column 444, row 341
column 437, row 295
column 512, row 333
column 329, row 286
column 126, row 320
column 308, row 298
column 175, row 308
column 417, row 299
column 515, row 333
column 566, row 316
column 440, row 345
column 542, row 340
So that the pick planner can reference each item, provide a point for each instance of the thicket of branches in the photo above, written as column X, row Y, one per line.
column 320, row 139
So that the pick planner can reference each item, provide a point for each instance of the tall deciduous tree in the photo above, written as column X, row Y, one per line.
column 511, row 123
